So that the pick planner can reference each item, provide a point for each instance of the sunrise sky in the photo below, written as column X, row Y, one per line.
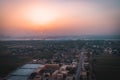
column 22, row 18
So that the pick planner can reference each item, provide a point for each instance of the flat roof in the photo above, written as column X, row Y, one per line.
column 18, row 78
column 34, row 66
column 23, row 72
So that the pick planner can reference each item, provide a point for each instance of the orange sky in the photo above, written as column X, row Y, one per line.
column 36, row 18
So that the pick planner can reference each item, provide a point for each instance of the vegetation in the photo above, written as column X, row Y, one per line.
column 107, row 67
column 16, row 53
column 10, row 63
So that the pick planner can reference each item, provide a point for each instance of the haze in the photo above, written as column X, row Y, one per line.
column 22, row 18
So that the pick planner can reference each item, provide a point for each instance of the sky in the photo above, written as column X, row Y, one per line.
column 24, row 18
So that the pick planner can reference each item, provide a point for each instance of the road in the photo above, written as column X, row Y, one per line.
column 77, row 76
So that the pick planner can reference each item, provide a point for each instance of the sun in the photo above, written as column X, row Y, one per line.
column 39, row 16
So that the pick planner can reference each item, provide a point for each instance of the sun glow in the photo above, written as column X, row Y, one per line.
column 39, row 16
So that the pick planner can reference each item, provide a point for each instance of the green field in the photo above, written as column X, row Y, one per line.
column 107, row 67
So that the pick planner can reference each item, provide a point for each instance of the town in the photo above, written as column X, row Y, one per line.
column 55, row 60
